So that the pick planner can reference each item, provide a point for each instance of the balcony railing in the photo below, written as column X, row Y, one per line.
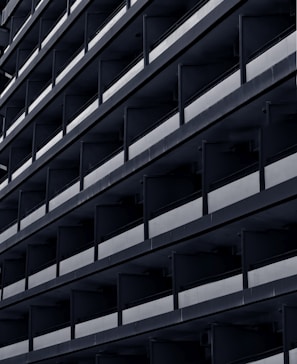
column 61, row 20
column 210, row 290
column 83, row 112
column 122, row 81
column 15, row 349
column 271, row 56
column 174, row 218
column 68, row 191
column 109, row 22
column 22, row 166
column 273, row 356
column 97, row 324
column 14, row 288
column 42, row 276
column 188, row 22
column 233, row 192
column 50, row 142
column 274, row 271
column 124, row 240
column 161, row 130
column 281, row 170
column 104, row 169
column 78, row 55
column 35, row 214
column 52, row 338
column 77, row 261
column 149, row 309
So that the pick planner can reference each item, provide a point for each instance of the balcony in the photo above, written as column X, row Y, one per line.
column 75, row 5
column 272, row 56
column 110, row 22
column 185, row 27
column 121, row 241
column 149, row 309
column 54, row 30
column 77, row 261
column 281, row 170
column 274, row 359
column 64, row 196
column 51, row 338
column 155, row 135
column 176, row 217
column 42, row 276
column 49, row 144
column 213, row 95
column 19, row 348
column 32, row 217
column 116, row 86
column 104, row 169
column 10, row 231
column 28, row 61
column 69, row 67
column 95, row 325
column 22, row 168
column 233, row 192
column 45, row 92
column 14, row 288
column 83, row 115
column 210, row 291
column 293, row 355
column 17, row 122
column 271, row 272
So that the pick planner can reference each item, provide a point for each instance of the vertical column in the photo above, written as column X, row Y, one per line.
column 289, row 318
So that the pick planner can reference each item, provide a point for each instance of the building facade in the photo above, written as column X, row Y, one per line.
column 148, row 173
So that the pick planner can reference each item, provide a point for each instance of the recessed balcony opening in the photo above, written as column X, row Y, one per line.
column 42, row 260
column 14, row 271
column 14, row 336
column 94, row 310
column 267, row 265
column 50, row 324
column 207, row 275
column 152, row 296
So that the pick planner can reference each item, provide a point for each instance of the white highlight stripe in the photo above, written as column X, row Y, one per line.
column 271, row 272
column 40, row 97
column 273, row 55
column 122, row 241
column 104, row 169
column 49, row 145
column 77, row 261
column 75, row 60
column 52, row 338
column 275, row 359
column 174, row 218
column 212, row 96
column 123, row 80
column 42, row 276
column 82, row 116
column 210, row 291
column 183, row 28
column 29, row 60
column 19, row 348
column 148, row 309
column 54, row 30
column 152, row 137
column 107, row 27
column 96, row 325
column 16, row 123
column 22, row 168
